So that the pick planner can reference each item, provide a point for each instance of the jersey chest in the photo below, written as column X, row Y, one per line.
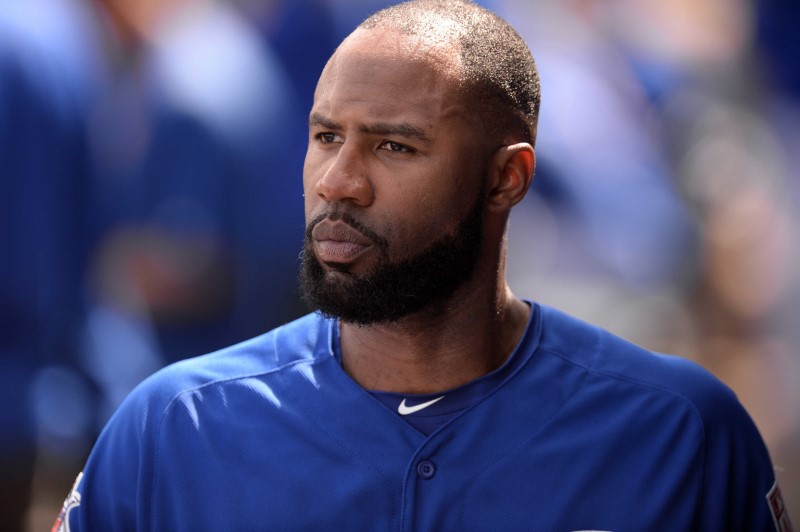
column 290, row 464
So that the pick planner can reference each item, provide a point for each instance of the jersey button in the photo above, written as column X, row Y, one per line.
column 426, row 469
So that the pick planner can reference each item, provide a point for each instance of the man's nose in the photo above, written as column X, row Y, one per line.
column 346, row 179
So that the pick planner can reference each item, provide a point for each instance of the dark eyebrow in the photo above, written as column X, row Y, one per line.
column 317, row 119
column 401, row 129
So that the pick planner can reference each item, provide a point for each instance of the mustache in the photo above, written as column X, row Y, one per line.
column 350, row 220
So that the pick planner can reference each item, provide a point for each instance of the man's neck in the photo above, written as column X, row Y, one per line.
column 434, row 351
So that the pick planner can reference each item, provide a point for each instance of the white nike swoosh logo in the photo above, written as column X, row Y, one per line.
column 404, row 410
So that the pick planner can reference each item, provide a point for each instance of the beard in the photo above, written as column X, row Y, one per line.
column 393, row 290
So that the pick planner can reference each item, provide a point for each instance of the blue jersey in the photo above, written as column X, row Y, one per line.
column 586, row 431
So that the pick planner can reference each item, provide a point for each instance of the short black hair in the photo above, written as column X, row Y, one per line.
column 498, row 72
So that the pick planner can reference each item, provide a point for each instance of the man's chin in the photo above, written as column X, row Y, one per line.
column 340, row 295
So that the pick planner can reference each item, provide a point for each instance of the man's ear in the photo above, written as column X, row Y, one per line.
column 511, row 174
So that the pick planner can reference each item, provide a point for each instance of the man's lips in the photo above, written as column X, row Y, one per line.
column 335, row 241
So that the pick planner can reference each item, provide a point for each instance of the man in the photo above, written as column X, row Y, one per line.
column 424, row 395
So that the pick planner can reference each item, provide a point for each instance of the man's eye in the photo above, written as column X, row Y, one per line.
column 395, row 147
column 327, row 138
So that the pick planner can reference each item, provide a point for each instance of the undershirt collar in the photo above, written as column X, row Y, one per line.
column 446, row 405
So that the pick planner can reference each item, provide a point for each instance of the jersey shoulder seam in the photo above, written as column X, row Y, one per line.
column 169, row 404
column 647, row 385
column 630, row 380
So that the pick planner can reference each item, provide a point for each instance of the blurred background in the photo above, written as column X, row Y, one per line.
column 151, row 199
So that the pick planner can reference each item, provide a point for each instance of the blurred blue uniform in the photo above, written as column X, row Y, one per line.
column 777, row 36
column 197, row 149
column 98, row 148
column 43, row 237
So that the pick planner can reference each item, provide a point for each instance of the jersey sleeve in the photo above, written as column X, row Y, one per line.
column 116, row 489
column 739, row 483
column 112, row 492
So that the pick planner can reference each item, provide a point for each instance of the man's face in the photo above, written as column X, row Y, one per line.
column 393, row 182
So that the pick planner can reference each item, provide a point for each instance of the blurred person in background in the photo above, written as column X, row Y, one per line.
column 188, row 222
column 44, row 187
column 188, row 137
column 137, row 160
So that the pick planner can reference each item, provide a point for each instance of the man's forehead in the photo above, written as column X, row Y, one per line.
column 419, row 112
column 380, row 74
column 437, row 53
